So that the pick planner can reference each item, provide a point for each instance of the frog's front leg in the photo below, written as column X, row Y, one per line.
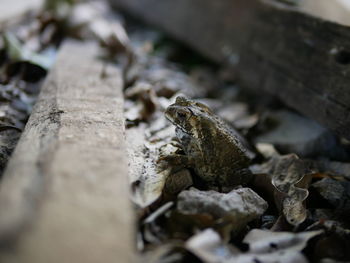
column 176, row 143
column 177, row 160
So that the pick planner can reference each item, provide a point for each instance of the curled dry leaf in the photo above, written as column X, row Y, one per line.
column 239, row 206
column 291, row 177
column 293, row 207
column 288, row 171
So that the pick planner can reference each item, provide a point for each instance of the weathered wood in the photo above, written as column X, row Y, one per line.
column 64, row 195
column 303, row 60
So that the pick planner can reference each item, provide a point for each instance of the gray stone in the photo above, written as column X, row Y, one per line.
column 241, row 205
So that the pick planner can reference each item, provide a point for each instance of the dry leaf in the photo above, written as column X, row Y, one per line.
column 291, row 176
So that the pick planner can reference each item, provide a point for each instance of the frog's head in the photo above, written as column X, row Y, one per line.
column 188, row 115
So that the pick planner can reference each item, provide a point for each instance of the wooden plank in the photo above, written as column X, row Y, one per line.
column 275, row 47
column 64, row 195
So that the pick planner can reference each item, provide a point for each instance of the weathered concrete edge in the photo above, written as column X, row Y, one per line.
column 25, row 190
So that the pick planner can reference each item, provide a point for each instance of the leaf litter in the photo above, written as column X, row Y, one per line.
column 279, row 217
column 28, row 49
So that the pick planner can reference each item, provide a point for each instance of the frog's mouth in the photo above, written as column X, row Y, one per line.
column 180, row 118
column 177, row 125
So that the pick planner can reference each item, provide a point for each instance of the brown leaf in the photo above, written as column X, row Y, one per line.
column 290, row 177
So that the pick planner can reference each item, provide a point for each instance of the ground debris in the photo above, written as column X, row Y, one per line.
column 185, row 219
column 291, row 177
column 293, row 207
column 240, row 206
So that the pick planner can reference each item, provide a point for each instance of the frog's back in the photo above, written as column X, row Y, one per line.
column 222, row 157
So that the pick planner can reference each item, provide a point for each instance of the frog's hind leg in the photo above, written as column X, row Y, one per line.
column 240, row 177
column 244, row 176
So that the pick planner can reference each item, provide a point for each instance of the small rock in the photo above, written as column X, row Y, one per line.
column 241, row 205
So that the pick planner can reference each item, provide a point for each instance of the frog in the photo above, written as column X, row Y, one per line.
column 212, row 149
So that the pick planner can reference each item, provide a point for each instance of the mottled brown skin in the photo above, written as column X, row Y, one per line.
column 212, row 149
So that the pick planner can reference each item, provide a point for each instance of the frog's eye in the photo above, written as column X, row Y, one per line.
column 181, row 100
column 181, row 115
